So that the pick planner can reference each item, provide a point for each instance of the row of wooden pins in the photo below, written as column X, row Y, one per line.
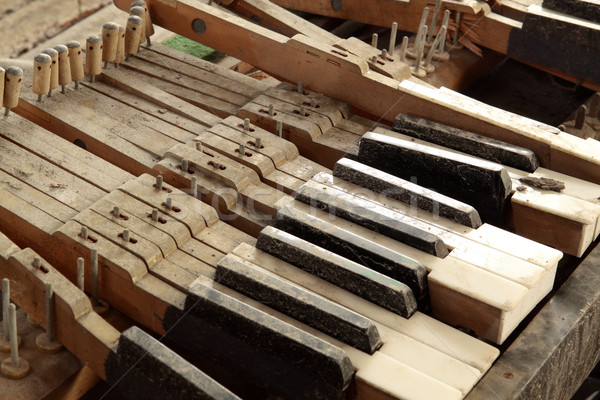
column 64, row 64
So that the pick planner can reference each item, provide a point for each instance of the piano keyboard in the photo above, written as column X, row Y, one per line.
column 226, row 220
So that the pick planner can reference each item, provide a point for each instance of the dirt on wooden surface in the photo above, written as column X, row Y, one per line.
column 25, row 23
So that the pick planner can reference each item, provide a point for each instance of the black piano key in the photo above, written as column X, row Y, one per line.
column 406, row 192
column 143, row 367
column 299, row 303
column 358, row 249
column 480, row 183
column 467, row 142
column 371, row 216
column 583, row 9
column 252, row 353
column 355, row 278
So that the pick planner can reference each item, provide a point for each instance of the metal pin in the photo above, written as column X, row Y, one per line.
column 403, row 48
column 247, row 124
column 194, row 187
column 84, row 232
column 199, row 146
column 313, row 103
column 76, row 85
column 49, row 313
column 37, row 263
column 417, row 43
column 185, row 165
column 302, row 110
column 125, row 235
column 169, row 203
column 455, row 38
column 374, row 40
column 440, row 36
column 62, row 89
column 155, row 215
column 257, row 143
column 94, row 268
column 159, row 182
column 116, row 212
column 39, row 98
column 300, row 87
column 271, row 110
column 242, row 149
column 92, row 78
column 14, row 340
column 5, row 303
column 436, row 10
column 421, row 48
column 50, row 93
column 279, row 129
column 393, row 38
column 7, row 112
column 444, row 24
column 384, row 54
column 80, row 274
column 580, row 118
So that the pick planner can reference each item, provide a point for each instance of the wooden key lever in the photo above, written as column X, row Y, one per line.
column 133, row 361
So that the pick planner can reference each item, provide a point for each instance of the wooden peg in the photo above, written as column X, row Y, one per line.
column 2, row 79
column 147, row 20
column 120, row 46
column 76, row 62
column 110, row 42
column 140, row 12
column 132, row 35
column 12, row 87
column 41, row 75
column 45, row 341
column 64, row 66
column 53, row 69
column 93, row 56
column 14, row 367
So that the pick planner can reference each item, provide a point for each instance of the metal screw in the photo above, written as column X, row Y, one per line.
column 169, row 203
column 116, row 212
column 247, row 124
column 242, row 149
column 185, row 165
column 84, row 232
column 125, row 235
column 159, row 182
column 155, row 215
column 37, row 263
column 257, row 143
column 271, row 110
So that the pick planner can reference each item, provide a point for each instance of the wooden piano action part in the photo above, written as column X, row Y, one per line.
column 342, row 230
